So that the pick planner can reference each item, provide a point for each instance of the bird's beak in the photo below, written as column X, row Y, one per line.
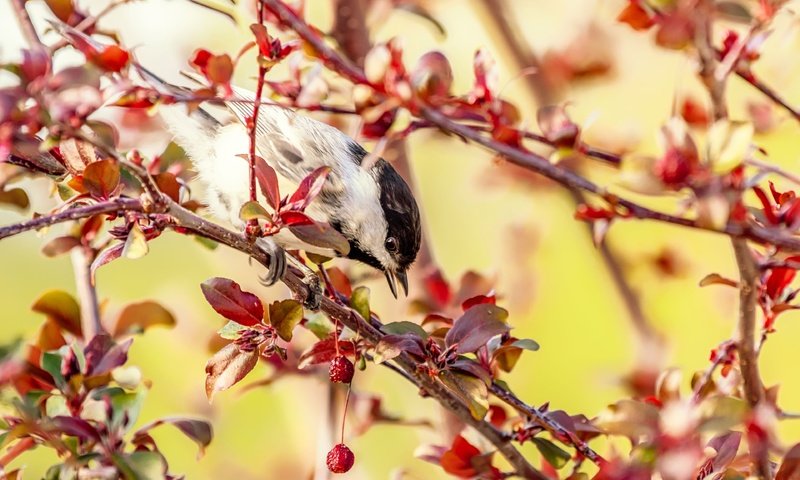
column 392, row 283
column 403, row 279
column 393, row 278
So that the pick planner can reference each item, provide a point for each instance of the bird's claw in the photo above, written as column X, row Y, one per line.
column 277, row 263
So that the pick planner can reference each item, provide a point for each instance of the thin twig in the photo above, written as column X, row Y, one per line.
column 551, row 425
column 545, row 93
column 26, row 24
column 15, row 451
column 89, row 23
column 768, row 91
column 91, row 326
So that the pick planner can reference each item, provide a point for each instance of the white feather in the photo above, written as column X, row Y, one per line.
column 294, row 146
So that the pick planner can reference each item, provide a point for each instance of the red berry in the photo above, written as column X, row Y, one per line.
column 340, row 459
column 341, row 370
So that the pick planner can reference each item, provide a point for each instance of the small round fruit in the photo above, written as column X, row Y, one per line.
column 340, row 459
column 341, row 370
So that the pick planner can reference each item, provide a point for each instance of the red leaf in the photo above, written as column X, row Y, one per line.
column 324, row 351
column 557, row 126
column 227, row 298
column 200, row 59
column 74, row 427
column 60, row 245
column 476, row 327
column 168, row 184
column 780, row 198
column 309, row 188
column 458, row 460
column 726, row 446
column 106, row 256
column 268, row 182
column 790, row 468
column 390, row 346
column 292, row 217
column 115, row 357
column 111, row 59
column 779, row 278
column 695, row 114
column 438, row 289
column 96, row 349
column 769, row 212
column 262, row 38
column 35, row 63
column 497, row 416
column 637, row 17
column 478, row 300
column 340, row 281
column 219, row 69
column 101, row 178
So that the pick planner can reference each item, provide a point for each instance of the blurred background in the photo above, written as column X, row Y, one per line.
column 514, row 228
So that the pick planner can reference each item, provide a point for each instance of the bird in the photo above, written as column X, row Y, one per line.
column 365, row 200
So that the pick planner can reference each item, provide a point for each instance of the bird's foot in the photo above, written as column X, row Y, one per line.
column 277, row 262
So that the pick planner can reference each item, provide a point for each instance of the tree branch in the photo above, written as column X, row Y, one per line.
column 82, row 258
column 748, row 270
column 367, row 329
column 116, row 206
column 522, row 157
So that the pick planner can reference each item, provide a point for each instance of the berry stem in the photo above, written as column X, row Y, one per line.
column 344, row 412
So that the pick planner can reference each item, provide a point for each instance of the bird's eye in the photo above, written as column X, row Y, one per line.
column 391, row 245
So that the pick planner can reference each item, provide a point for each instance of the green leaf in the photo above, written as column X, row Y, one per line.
column 471, row 390
column 526, row 344
column 400, row 328
column 126, row 408
column 359, row 300
column 51, row 363
column 554, row 455
column 318, row 324
column 62, row 308
column 231, row 330
column 284, row 315
column 252, row 211
column 142, row 465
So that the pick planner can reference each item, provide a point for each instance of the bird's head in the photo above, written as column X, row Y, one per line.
column 391, row 243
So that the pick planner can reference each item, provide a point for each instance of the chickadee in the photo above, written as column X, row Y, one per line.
column 370, row 205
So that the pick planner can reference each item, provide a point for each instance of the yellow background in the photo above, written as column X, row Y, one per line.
column 558, row 290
